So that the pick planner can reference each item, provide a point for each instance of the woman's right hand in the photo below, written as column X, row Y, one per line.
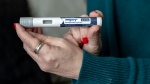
column 89, row 38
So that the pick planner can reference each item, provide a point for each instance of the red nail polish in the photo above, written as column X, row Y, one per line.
column 81, row 44
column 85, row 40
column 14, row 25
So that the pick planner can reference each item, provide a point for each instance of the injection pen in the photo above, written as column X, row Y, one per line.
column 30, row 22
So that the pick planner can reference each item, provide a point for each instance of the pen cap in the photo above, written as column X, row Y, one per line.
column 26, row 21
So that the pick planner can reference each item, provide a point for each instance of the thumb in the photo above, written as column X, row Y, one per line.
column 94, row 31
column 94, row 35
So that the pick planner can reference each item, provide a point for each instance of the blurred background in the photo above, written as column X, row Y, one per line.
column 16, row 66
column 57, row 8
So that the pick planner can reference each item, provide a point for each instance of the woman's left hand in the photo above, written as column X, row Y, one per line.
column 88, row 38
column 57, row 55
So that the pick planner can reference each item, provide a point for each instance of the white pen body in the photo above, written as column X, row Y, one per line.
column 31, row 22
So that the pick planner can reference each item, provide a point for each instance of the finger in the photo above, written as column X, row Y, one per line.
column 43, row 50
column 50, row 42
column 35, row 30
column 95, row 28
column 31, row 41
column 68, row 36
column 94, row 35
column 79, row 32
column 46, row 39
column 40, row 31
column 30, row 53
column 41, row 56
column 94, row 31
column 26, row 38
column 75, row 31
column 28, row 29
column 83, row 31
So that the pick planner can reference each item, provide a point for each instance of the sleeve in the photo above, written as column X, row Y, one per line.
column 111, row 70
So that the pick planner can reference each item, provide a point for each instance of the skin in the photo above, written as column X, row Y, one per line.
column 61, row 56
column 94, row 44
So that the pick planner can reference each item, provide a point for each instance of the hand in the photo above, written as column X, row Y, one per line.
column 88, row 38
column 57, row 55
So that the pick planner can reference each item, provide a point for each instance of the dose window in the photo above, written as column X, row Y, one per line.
column 47, row 21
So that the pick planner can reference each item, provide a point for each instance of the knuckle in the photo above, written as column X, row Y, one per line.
column 68, row 36
column 47, row 62
column 49, row 59
column 30, row 43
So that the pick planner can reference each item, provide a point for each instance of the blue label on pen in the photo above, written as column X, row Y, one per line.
column 78, row 21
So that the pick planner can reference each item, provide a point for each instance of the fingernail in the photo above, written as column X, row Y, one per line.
column 14, row 25
column 85, row 40
column 81, row 44
column 99, row 12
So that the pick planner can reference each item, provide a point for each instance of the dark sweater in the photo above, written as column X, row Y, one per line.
column 125, row 55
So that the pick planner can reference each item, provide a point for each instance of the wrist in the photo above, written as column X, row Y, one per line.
column 78, row 64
